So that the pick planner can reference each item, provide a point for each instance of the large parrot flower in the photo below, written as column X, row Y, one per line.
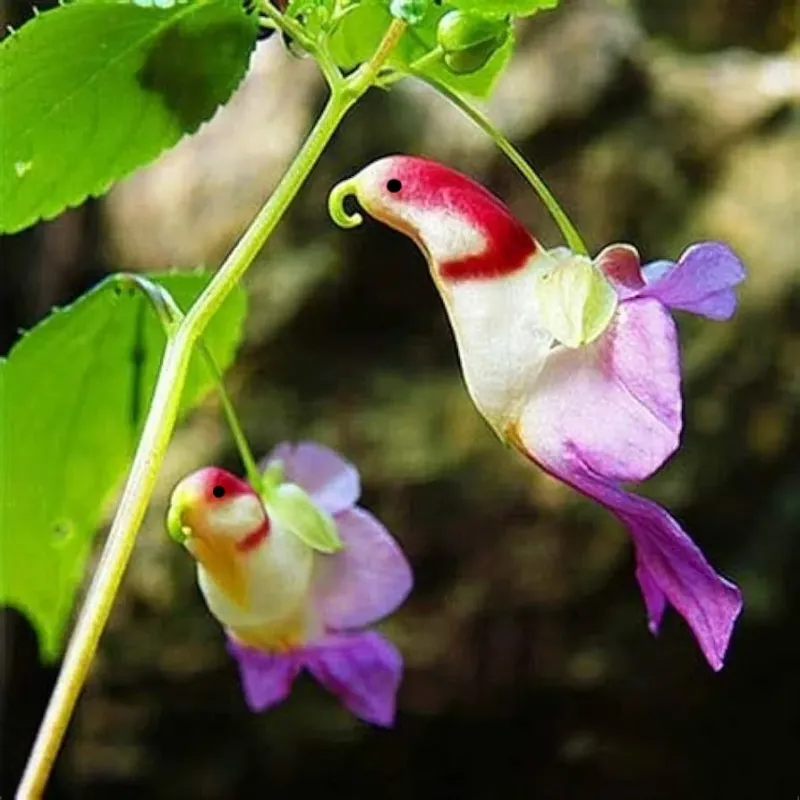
column 572, row 361
column 296, row 575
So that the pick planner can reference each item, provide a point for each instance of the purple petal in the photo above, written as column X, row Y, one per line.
column 267, row 678
column 363, row 670
column 366, row 580
column 701, row 282
column 617, row 401
column 331, row 481
column 655, row 600
column 670, row 565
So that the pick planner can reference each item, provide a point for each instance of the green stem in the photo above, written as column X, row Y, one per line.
column 568, row 230
column 161, row 419
column 295, row 31
column 170, row 316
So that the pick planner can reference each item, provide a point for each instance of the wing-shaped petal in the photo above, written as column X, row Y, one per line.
column 267, row 678
column 701, row 282
column 617, row 401
column 366, row 580
column 331, row 481
column 363, row 670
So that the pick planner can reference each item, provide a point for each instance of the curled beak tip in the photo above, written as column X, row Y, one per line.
column 340, row 215
column 177, row 530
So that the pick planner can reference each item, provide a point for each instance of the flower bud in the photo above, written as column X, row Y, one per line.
column 469, row 41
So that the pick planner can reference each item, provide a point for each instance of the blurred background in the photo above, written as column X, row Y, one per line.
column 530, row 670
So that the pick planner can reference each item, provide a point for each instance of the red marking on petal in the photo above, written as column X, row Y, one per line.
column 431, row 185
column 254, row 539
column 620, row 264
column 510, row 247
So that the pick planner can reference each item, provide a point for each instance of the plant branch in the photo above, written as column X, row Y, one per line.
column 170, row 316
column 295, row 31
column 161, row 419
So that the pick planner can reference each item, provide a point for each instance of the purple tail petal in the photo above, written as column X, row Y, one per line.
column 267, row 678
column 701, row 282
column 362, row 669
column 670, row 566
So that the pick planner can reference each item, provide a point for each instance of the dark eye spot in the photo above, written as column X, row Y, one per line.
column 218, row 491
column 394, row 186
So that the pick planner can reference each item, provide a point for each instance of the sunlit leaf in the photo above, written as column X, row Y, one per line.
column 91, row 90
column 73, row 395
column 498, row 8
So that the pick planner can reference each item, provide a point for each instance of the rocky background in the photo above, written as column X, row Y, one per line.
column 530, row 671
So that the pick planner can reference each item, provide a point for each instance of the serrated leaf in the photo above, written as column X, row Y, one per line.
column 73, row 395
column 500, row 8
column 294, row 508
column 91, row 90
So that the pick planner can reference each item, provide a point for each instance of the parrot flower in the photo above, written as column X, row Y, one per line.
column 574, row 362
column 294, row 577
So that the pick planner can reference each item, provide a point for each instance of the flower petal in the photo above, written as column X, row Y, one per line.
column 366, row 580
column 267, row 678
column 617, row 402
column 654, row 599
column 363, row 670
column 621, row 265
column 670, row 565
column 332, row 482
column 701, row 282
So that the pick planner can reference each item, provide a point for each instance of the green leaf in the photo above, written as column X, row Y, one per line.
column 295, row 509
column 359, row 31
column 73, row 395
column 499, row 8
column 91, row 90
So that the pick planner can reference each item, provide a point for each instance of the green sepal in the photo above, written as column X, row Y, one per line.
column 292, row 507
column 576, row 302
column 272, row 477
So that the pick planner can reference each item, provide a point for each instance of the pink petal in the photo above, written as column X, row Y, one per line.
column 617, row 401
column 363, row 670
column 331, row 481
column 611, row 412
column 701, row 282
column 670, row 565
column 366, row 580
column 267, row 678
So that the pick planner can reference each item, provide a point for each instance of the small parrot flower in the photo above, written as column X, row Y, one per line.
column 572, row 361
column 296, row 576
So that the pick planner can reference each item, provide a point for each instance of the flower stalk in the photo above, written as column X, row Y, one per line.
column 162, row 416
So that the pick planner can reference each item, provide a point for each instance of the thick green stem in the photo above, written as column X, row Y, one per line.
column 568, row 230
